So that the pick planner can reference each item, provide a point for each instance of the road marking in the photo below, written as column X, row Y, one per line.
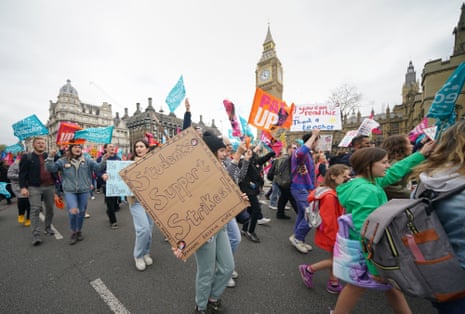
column 108, row 297
column 58, row 235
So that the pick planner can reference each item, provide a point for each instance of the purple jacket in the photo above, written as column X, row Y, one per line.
column 303, row 169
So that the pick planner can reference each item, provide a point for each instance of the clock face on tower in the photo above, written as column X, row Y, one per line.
column 265, row 75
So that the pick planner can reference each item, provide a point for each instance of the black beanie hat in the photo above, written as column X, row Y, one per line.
column 213, row 142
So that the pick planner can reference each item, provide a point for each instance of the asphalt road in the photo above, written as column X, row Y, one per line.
column 98, row 274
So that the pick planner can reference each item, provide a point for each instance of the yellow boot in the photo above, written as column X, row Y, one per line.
column 20, row 219
column 27, row 222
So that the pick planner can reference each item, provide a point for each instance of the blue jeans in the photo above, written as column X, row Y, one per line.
column 79, row 201
column 143, row 224
column 275, row 193
column 234, row 234
column 215, row 265
column 301, row 227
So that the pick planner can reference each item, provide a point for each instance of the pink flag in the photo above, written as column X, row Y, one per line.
column 413, row 134
column 231, row 111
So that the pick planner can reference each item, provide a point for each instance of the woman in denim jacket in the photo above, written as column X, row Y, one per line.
column 76, row 172
column 443, row 171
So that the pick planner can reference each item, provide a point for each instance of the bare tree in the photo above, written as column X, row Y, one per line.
column 347, row 97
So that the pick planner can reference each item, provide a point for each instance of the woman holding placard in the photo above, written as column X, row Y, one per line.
column 215, row 262
column 143, row 223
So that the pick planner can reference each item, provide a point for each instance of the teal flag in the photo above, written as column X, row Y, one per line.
column 176, row 95
column 30, row 126
column 443, row 106
column 95, row 135
column 16, row 148
column 245, row 128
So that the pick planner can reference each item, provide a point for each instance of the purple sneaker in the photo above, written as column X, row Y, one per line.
column 334, row 289
column 306, row 276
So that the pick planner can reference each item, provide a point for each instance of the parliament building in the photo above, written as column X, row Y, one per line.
column 417, row 97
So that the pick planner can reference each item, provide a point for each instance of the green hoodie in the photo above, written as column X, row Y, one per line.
column 360, row 197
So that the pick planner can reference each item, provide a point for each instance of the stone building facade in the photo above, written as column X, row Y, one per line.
column 69, row 108
column 154, row 122
column 417, row 98
column 127, row 129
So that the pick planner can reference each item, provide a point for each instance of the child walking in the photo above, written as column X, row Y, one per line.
column 325, row 235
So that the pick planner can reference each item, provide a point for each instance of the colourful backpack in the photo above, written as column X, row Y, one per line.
column 349, row 264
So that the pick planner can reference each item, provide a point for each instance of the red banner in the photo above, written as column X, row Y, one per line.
column 65, row 134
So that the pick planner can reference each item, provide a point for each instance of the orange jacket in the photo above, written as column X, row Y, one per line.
column 330, row 210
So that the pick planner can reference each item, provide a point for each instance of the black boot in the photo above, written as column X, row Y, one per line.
column 73, row 239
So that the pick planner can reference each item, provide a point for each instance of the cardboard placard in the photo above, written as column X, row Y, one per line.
column 186, row 191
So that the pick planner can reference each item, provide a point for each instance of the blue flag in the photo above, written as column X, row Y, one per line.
column 176, row 95
column 3, row 189
column 95, row 135
column 245, row 128
column 443, row 106
column 235, row 141
column 16, row 148
column 30, row 126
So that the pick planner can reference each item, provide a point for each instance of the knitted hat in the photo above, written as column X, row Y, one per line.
column 213, row 142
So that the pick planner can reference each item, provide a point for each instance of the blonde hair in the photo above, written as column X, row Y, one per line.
column 449, row 152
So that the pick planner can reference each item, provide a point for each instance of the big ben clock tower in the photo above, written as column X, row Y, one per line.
column 269, row 73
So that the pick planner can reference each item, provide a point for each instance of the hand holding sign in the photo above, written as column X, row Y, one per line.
column 186, row 190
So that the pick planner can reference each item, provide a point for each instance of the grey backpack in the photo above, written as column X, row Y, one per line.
column 406, row 241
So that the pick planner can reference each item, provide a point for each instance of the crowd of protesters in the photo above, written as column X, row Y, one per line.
column 356, row 182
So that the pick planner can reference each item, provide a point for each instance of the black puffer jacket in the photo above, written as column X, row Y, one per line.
column 253, row 180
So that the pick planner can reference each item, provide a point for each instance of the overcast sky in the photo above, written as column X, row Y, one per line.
column 123, row 52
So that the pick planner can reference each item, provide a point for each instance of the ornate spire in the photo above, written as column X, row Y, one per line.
column 268, row 46
column 459, row 33
column 411, row 75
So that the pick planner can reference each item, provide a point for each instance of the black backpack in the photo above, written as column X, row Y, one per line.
column 282, row 173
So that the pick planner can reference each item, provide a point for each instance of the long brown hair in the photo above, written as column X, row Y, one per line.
column 448, row 152
column 396, row 146
column 146, row 144
column 362, row 160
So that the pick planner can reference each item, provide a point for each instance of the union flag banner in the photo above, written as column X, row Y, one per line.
column 269, row 113
column 66, row 132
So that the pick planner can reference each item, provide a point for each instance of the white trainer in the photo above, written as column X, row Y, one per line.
column 293, row 239
column 299, row 245
column 231, row 283
column 263, row 221
column 235, row 275
column 140, row 264
column 148, row 259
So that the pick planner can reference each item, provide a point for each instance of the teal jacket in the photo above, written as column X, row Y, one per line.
column 361, row 197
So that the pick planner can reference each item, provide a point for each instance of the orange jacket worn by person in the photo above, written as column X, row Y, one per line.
column 330, row 210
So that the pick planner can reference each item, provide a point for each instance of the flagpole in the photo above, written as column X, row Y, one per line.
column 160, row 126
